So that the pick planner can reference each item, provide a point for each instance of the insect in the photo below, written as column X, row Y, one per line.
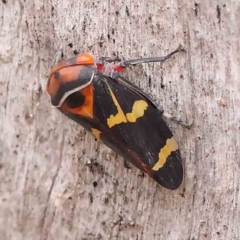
column 120, row 114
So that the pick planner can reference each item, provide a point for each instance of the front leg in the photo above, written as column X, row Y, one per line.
column 118, row 66
column 104, row 63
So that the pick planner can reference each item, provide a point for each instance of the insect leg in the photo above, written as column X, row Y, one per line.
column 153, row 59
column 101, row 62
column 126, row 165
column 177, row 120
column 119, row 67
column 58, row 55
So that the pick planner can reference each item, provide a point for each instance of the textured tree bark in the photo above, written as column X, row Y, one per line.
column 57, row 182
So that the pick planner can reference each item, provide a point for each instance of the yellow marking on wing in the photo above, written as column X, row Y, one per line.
column 171, row 146
column 96, row 133
column 138, row 110
column 119, row 117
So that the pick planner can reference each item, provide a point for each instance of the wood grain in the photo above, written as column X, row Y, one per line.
column 57, row 182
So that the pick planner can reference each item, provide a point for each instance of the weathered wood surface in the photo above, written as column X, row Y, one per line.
column 46, row 189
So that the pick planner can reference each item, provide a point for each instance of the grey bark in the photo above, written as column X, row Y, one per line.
column 48, row 164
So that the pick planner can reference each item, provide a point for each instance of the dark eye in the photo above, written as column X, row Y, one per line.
column 75, row 100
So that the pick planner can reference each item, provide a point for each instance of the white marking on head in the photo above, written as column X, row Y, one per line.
column 66, row 94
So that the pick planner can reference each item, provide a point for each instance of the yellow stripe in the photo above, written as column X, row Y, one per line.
column 96, row 133
column 138, row 110
column 119, row 117
column 165, row 152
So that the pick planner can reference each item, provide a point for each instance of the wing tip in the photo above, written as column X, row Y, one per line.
column 170, row 175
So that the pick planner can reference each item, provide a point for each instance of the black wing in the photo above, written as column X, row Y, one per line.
column 127, row 121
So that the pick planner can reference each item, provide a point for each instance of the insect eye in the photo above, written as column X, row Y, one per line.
column 75, row 100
